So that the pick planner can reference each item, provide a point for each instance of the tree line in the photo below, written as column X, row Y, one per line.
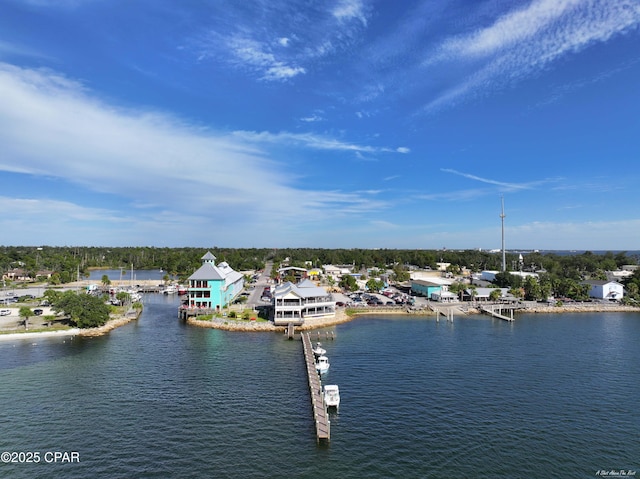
column 559, row 272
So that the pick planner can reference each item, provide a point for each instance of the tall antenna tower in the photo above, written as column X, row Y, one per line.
column 504, row 257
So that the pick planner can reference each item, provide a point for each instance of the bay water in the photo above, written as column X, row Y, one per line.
column 545, row 396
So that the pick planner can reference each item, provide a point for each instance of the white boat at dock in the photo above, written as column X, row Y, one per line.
column 170, row 289
column 332, row 396
column 322, row 364
column 318, row 350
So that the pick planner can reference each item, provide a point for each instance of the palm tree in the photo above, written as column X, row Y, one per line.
column 25, row 312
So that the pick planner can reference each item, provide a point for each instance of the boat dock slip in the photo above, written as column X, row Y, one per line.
column 320, row 415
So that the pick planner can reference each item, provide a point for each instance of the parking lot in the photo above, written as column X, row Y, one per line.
column 14, row 321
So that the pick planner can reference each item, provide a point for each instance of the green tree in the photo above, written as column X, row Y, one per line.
column 473, row 291
column 495, row 294
column 348, row 282
column 52, row 296
column 25, row 313
column 400, row 274
column 375, row 285
column 123, row 297
column 532, row 290
column 458, row 288
column 105, row 280
column 85, row 310
column 517, row 292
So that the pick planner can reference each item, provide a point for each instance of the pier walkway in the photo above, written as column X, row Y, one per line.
column 491, row 310
column 320, row 416
column 446, row 310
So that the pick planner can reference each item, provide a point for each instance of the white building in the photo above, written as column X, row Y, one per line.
column 490, row 275
column 605, row 289
column 335, row 272
column 295, row 302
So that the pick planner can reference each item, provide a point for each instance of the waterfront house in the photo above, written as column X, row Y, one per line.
column 426, row 288
column 214, row 286
column 293, row 303
column 605, row 289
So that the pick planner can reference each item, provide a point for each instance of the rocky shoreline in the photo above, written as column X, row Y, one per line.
column 110, row 325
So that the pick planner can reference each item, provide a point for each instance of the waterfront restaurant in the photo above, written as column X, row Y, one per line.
column 214, row 286
column 295, row 302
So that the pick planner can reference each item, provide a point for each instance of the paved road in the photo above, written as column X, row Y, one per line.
column 262, row 282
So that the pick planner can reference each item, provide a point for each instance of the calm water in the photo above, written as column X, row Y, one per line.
column 548, row 396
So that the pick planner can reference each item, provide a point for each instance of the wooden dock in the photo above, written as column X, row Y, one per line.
column 491, row 310
column 320, row 416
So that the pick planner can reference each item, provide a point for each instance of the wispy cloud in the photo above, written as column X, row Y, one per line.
column 505, row 185
column 314, row 117
column 285, row 40
column 257, row 56
column 454, row 195
column 311, row 140
column 527, row 40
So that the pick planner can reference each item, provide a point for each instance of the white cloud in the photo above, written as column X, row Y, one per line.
column 281, row 72
column 350, row 9
column 53, row 127
column 313, row 118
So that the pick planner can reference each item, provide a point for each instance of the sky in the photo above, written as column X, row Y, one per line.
column 333, row 124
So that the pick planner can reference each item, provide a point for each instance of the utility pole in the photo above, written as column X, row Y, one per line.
column 504, row 260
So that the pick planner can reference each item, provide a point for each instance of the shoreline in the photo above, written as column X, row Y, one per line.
column 40, row 334
column 342, row 317
column 89, row 332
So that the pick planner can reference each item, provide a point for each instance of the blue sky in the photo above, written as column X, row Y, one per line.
column 343, row 123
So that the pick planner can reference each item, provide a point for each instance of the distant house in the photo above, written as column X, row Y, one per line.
column 214, row 287
column 16, row 274
column 295, row 302
column 600, row 289
column 335, row 272
column 314, row 273
column 298, row 273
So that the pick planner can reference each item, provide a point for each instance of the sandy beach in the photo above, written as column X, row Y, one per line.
column 41, row 334
column 110, row 325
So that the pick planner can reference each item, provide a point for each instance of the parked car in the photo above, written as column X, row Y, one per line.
column 38, row 311
column 5, row 312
